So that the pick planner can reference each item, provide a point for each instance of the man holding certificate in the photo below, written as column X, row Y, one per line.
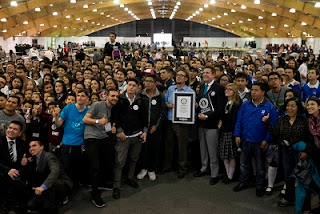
column 177, row 133
column 211, row 101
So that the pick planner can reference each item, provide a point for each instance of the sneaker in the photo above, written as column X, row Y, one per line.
column 269, row 191
column 152, row 176
column 284, row 203
column 98, row 202
column 96, row 199
column 282, row 193
column 142, row 174
column 65, row 201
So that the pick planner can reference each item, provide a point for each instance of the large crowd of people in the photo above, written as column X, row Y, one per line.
column 65, row 123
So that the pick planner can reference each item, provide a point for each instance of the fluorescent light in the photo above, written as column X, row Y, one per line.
column 73, row 1
column 197, row 12
column 303, row 23
column 256, row 2
column 249, row 20
column 225, row 14
column 51, row 5
column 212, row 1
column 85, row 6
column 200, row 9
column 272, row 27
column 285, row 25
column 3, row 20
column 68, row 17
column 317, row 5
column 25, row 22
column 41, row 25
column 55, row 26
column 218, row 16
column 261, row 28
column 176, row 7
column 78, row 19
column 86, row 21
column 240, row 21
column 4, row 31
column 129, row 11
column 126, row 9
column 149, row 3
column 206, row 6
column 37, row 9
column 94, row 10
column 292, row 10
column 55, row 13
column 273, row 14
column 243, row 7
column 178, row 3
column 260, row 17
column 116, row 1
column 102, row 13
column 121, row 5
column 65, row 27
column 233, row 10
column 13, row 4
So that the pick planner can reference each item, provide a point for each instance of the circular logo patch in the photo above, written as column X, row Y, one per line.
column 153, row 102
column 135, row 107
column 203, row 103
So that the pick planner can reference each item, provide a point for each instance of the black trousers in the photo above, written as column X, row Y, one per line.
column 101, row 160
column 150, row 151
column 50, row 198
column 71, row 161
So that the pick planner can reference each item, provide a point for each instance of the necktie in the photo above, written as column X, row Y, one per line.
column 205, row 89
column 11, row 151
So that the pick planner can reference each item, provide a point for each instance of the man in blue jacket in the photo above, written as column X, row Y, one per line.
column 254, row 137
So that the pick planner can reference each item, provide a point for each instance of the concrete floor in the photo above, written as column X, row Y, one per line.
column 169, row 195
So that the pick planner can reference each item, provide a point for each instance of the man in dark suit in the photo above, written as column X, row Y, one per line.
column 49, row 182
column 13, row 152
column 112, row 45
column 211, row 101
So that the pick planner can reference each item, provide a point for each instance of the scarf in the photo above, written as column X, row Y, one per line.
column 315, row 129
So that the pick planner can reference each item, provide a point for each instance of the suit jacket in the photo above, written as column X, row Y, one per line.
column 211, row 104
column 5, row 160
column 48, row 171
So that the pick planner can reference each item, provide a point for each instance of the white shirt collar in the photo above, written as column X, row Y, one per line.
column 130, row 101
column 210, row 83
column 314, row 86
column 8, row 139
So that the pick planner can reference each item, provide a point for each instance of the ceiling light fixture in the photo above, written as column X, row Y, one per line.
column 94, row 10
column 55, row 13
column 41, row 25
column 4, row 31
column 3, row 20
column 243, row 7
column 25, row 22
column 260, row 17
column 55, row 26
column 121, row 5
column 273, row 14
column 13, row 4
column 78, row 19
column 303, row 23
column 233, row 10
column 272, row 27
column 68, row 17
column 37, row 9
column 73, row 1
column 85, row 6
column 150, row 3
column 256, row 2
column 212, row 1
column 317, row 5
column 292, row 10
column 116, row 1
column 206, row 6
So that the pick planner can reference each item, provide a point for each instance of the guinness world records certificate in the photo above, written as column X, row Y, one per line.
column 184, row 107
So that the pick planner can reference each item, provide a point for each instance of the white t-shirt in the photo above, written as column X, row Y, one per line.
column 49, row 54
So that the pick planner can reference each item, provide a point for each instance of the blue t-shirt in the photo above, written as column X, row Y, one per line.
column 73, row 125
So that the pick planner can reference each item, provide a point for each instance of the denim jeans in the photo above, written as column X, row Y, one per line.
column 249, row 150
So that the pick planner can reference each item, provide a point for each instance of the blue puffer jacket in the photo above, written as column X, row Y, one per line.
column 249, row 124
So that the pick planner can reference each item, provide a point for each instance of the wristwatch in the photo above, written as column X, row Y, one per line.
column 206, row 117
column 97, row 121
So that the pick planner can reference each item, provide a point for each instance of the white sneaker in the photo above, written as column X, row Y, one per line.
column 141, row 175
column 152, row 176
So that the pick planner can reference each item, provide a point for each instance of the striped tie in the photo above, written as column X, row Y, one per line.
column 11, row 151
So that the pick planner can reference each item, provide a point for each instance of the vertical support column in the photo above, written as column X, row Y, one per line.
column 190, row 29
column 173, row 28
column 116, row 28
column 134, row 28
column 152, row 30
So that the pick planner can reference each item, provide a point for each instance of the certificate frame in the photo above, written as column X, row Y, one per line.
column 184, row 107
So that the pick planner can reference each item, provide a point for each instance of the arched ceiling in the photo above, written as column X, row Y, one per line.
column 73, row 19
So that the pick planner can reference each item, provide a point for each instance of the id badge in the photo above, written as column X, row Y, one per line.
column 108, row 127
column 35, row 134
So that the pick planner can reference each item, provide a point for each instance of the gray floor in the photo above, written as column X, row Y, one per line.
column 169, row 195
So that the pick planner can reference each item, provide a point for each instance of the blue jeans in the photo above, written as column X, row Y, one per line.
column 249, row 150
